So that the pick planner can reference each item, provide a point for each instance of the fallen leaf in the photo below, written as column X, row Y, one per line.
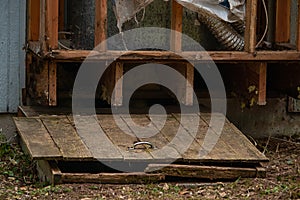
column 166, row 187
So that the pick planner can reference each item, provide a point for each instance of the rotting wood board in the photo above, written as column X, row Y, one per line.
column 104, row 139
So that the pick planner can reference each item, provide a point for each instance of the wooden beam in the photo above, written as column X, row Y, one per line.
column 206, row 172
column 61, row 21
column 33, row 29
column 51, row 36
column 283, row 21
column 262, row 86
column 145, row 56
column 189, row 85
column 42, row 26
column 185, row 89
column 41, row 93
column 27, row 78
column 112, row 90
column 112, row 178
column 298, row 27
column 52, row 84
column 48, row 171
column 100, row 24
column 176, row 25
column 52, row 13
column 251, row 26
column 257, row 76
column 117, row 99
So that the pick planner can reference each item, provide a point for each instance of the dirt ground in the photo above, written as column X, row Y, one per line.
column 18, row 180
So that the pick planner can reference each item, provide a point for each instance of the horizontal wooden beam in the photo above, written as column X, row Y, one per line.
column 112, row 178
column 207, row 172
column 144, row 56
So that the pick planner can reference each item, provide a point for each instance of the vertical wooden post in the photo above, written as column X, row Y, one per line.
column 42, row 24
column 185, row 88
column 176, row 25
column 52, row 83
column 52, row 17
column 256, row 74
column 100, row 24
column 33, row 29
column 283, row 21
column 298, row 27
column 61, row 21
column 189, row 85
column 117, row 98
column 186, row 69
column 52, row 12
column 262, row 85
column 251, row 25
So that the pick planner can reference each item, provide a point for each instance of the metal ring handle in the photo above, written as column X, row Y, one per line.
column 141, row 143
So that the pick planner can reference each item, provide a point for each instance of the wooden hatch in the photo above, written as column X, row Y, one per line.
column 54, row 138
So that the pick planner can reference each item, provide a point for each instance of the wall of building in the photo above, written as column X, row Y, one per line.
column 12, row 57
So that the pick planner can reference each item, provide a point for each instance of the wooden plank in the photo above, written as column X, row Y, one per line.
column 176, row 25
column 246, row 143
column 117, row 99
column 121, row 140
column 52, row 15
column 43, row 24
column 48, row 172
column 66, row 138
column 257, row 76
column 207, row 172
column 95, row 139
column 28, row 63
column 211, row 146
column 262, row 85
column 112, row 178
column 61, row 21
column 189, row 85
column 112, row 90
column 283, row 22
column 185, row 88
column 243, row 148
column 42, row 83
column 52, row 84
column 162, row 151
column 298, row 27
column 251, row 25
column 178, row 138
column 33, row 28
column 36, row 138
column 100, row 24
column 143, row 56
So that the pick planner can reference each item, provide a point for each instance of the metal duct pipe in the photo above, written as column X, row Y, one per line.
column 224, row 32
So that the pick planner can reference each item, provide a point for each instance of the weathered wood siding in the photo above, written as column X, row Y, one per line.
column 12, row 39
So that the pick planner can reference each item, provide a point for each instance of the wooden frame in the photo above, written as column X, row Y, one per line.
column 283, row 23
column 251, row 25
column 44, row 26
